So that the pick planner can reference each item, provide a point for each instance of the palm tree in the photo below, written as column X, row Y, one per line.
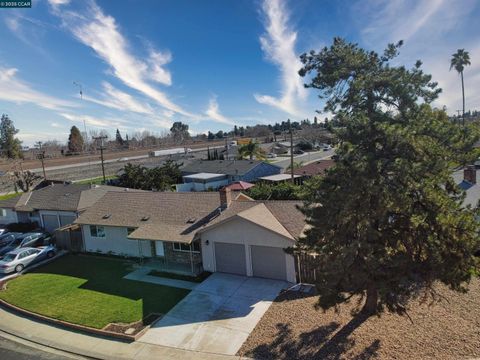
column 250, row 150
column 459, row 60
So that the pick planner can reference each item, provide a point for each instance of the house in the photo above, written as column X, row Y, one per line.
column 202, row 182
column 196, row 231
column 235, row 170
column 240, row 186
column 281, row 178
column 466, row 179
column 53, row 206
column 316, row 168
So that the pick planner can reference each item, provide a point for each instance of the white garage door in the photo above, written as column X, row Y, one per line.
column 269, row 262
column 50, row 223
column 230, row 258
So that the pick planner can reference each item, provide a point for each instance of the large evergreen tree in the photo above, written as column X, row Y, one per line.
column 387, row 220
column 11, row 146
column 75, row 140
column 118, row 138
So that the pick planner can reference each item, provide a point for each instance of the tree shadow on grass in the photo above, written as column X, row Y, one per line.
column 325, row 342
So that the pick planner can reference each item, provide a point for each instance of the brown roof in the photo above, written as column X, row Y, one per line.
column 315, row 168
column 179, row 216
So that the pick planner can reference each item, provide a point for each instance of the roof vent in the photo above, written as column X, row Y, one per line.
column 191, row 220
column 145, row 218
column 107, row 216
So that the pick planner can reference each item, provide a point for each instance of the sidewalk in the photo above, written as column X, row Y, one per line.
column 92, row 346
column 142, row 275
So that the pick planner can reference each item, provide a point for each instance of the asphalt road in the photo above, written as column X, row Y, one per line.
column 10, row 350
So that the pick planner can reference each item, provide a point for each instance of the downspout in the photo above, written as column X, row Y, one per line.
column 191, row 259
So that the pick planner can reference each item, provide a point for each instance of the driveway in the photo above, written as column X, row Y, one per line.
column 217, row 316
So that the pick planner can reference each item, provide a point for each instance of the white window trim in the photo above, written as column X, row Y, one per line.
column 96, row 236
column 185, row 251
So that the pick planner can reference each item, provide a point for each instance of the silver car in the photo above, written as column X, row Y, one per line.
column 20, row 258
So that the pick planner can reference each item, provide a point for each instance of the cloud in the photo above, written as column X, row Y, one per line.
column 213, row 113
column 18, row 91
column 106, row 123
column 117, row 99
column 100, row 32
column 58, row 2
column 56, row 125
column 278, row 45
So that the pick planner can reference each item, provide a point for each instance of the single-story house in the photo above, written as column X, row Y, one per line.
column 281, row 178
column 202, row 182
column 316, row 168
column 196, row 231
column 53, row 206
column 466, row 179
column 235, row 170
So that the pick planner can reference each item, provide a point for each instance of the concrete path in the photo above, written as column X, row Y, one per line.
column 92, row 346
column 217, row 316
column 142, row 275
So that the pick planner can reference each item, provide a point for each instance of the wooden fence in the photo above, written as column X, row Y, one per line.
column 69, row 238
column 307, row 268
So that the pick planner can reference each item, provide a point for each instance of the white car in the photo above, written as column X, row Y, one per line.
column 271, row 156
column 19, row 259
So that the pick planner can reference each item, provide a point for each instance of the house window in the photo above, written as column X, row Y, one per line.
column 97, row 231
column 3, row 212
column 186, row 247
column 130, row 230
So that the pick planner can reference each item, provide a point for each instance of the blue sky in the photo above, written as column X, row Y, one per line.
column 212, row 64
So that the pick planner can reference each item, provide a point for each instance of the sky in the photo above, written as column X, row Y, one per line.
column 144, row 64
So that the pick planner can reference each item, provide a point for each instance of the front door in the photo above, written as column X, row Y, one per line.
column 159, row 250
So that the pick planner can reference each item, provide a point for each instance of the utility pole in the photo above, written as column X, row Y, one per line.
column 101, row 148
column 41, row 157
column 291, row 151
column 80, row 89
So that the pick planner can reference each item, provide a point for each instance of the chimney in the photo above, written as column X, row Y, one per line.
column 470, row 174
column 225, row 197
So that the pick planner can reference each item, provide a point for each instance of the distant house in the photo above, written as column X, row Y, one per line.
column 202, row 182
column 240, row 186
column 195, row 231
column 314, row 169
column 53, row 206
column 466, row 179
column 234, row 170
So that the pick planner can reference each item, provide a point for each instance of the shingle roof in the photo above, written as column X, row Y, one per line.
column 240, row 185
column 228, row 167
column 472, row 191
column 9, row 203
column 315, row 168
column 178, row 216
column 60, row 197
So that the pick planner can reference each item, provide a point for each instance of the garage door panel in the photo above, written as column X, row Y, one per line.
column 50, row 222
column 66, row 219
column 230, row 258
column 269, row 262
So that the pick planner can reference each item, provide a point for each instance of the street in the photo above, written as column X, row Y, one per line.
column 11, row 350
column 284, row 162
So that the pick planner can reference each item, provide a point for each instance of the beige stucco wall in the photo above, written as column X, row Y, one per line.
column 115, row 242
column 240, row 231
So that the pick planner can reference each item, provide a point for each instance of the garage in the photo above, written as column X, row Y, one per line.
column 50, row 222
column 268, row 262
column 230, row 258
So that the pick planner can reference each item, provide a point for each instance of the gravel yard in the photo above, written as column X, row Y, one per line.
column 293, row 329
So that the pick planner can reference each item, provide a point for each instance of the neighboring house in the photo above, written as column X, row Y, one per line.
column 281, row 178
column 202, row 182
column 235, row 170
column 466, row 179
column 240, row 186
column 53, row 206
column 316, row 168
column 196, row 231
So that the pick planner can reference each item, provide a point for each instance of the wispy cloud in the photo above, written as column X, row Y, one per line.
column 101, row 33
column 213, row 113
column 105, row 123
column 116, row 99
column 278, row 45
column 17, row 91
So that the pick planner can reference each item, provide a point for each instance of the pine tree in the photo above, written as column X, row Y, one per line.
column 10, row 145
column 75, row 140
column 388, row 219
column 118, row 138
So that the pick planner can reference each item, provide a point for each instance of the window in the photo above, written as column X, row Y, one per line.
column 97, row 231
column 130, row 230
column 3, row 212
column 186, row 247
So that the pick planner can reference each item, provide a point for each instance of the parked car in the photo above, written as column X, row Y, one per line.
column 25, row 240
column 298, row 152
column 3, row 230
column 6, row 238
column 271, row 156
column 20, row 258
column 326, row 147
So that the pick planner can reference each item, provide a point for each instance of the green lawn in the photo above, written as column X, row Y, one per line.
column 90, row 291
column 9, row 196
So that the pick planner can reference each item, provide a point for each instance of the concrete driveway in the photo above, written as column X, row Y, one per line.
column 217, row 316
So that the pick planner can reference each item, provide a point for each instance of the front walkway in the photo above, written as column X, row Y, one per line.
column 142, row 275
column 217, row 316
column 92, row 346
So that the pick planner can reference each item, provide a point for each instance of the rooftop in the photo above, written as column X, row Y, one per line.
column 204, row 176
column 315, row 168
column 279, row 177
column 227, row 167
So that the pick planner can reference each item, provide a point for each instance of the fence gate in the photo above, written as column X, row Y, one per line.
column 69, row 237
column 307, row 268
